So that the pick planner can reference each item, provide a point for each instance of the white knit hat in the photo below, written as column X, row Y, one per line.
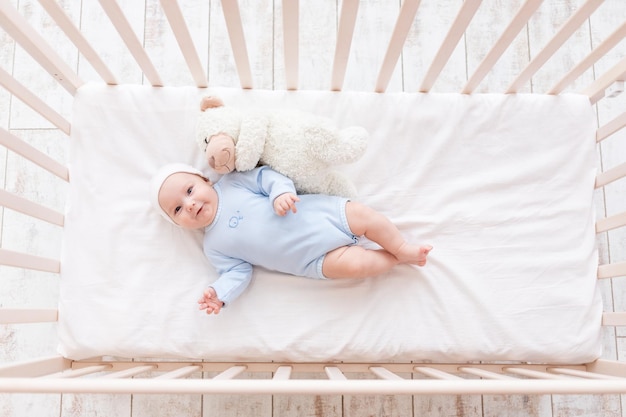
column 159, row 178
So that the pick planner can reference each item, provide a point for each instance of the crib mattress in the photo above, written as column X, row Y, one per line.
column 500, row 185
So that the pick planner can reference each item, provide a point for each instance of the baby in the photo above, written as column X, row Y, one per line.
column 256, row 218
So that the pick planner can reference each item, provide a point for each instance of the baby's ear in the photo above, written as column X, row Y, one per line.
column 210, row 102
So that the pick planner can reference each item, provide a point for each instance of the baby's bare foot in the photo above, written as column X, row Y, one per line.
column 413, row 254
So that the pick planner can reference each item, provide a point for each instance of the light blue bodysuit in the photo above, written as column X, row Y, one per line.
column 246, row 231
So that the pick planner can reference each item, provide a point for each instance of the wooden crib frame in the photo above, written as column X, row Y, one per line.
column 60, row 375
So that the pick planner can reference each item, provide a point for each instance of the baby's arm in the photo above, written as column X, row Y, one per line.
column 235, row 275
column 209, row 302
column 279, row 188
column 284, row 203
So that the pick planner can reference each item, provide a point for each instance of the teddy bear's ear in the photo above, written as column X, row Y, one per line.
column 209, row 102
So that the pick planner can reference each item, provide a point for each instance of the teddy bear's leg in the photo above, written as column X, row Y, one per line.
column 354, row 138
column 343, row 146
column 336, row 183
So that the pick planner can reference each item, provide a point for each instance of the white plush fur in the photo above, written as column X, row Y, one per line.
column 303, row 146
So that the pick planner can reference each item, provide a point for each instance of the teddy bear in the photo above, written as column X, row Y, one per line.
column 302, row 146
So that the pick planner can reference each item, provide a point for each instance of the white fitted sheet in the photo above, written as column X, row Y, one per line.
column 500, row 185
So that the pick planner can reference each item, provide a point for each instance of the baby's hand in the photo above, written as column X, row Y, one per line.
column 285, row 202
column 210, row 302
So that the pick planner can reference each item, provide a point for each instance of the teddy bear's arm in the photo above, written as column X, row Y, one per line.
column 251, row 142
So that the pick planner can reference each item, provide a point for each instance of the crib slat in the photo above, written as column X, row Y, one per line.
column 435, row 373
column 611, row 175
column 185, row 42
column 33, row 154
column 612, row 270
column 563, row 34
column 614, row 319
column 595, row 90
column 611, row 127
column 180, row 372
column 384, row 373
column 345, row 33
column 35, row 367
column 461, row 21
column 334, row 373
column 34, row 102
column 283, row 372
column 41, row 51
column 128, row 373
column 30, row 208
column 601, row 50
column 608, row 367
column 75, row 373
column 408, row 10
column 530, row 373
column 483, row 373
column 73, row 33
column 231, row 372
column 237, row 41
column 510, row 33
column 611, row 222
column 27, row 315
column 118, row 19
column 291, row 39
column 581, row 374
column 23, row 260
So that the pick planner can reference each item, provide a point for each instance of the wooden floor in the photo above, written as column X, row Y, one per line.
column 263, row 26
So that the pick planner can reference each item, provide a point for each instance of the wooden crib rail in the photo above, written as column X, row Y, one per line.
column 30, row 208
column 596, row 90
column 33, row 154
column 568, row 28
column 58, row 375
column 73, row 33
column 345, row 32
column 27, row 261
column 28, row 37
column 515, row 26
column 117, row 17
column 34, row 102
column 457, row 29
column 38, row 47
column 609, row 176
column 185, row 42
column 609, row 43
column 27, row 315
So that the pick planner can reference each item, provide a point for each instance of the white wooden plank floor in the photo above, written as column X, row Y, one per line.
column 263, row 29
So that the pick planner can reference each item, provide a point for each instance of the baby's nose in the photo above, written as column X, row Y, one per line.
column 190, row 203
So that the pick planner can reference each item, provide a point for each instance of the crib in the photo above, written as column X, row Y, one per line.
column 233, row 23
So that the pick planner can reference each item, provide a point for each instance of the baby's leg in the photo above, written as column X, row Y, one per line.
column 357, row 262
column 366, row 221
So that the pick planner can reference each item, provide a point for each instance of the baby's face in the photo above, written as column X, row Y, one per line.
column 189, row 200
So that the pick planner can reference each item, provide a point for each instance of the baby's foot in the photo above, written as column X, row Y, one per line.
column 413, row 254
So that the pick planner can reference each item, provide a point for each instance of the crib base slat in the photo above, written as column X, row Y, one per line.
column 313, row 386
column 33, row 368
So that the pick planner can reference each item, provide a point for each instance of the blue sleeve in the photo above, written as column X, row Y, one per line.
column 266, row 181
column 235, row 275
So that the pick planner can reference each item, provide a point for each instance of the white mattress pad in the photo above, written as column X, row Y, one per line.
column 500, row 185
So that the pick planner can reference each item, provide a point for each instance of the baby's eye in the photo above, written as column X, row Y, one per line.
column 177, row 209
column 189, row 190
